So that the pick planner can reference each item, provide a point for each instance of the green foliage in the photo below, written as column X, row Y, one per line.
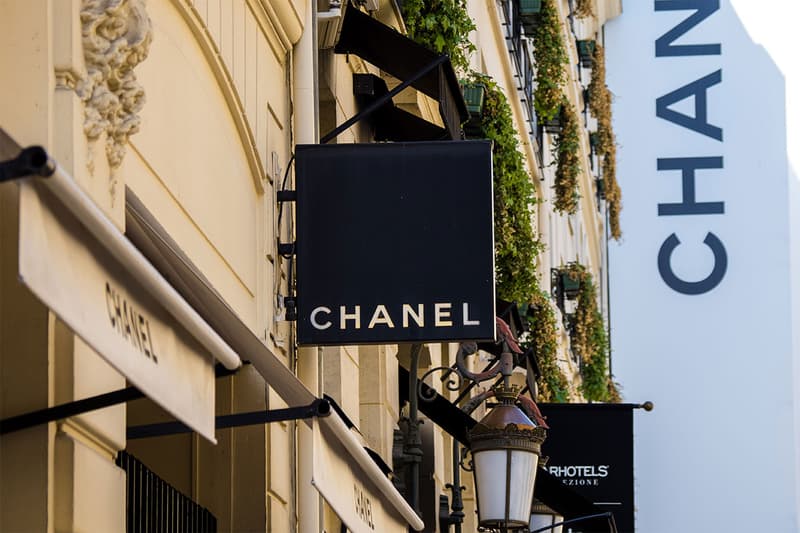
column 543, row 338
column 443, row 26
column 590, row 340
column 550, row 56
column 516, row 248
column 567, row 151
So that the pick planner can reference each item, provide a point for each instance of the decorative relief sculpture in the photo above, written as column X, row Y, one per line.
column 116, row 38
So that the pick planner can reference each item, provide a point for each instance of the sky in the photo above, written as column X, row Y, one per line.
column 773, row 24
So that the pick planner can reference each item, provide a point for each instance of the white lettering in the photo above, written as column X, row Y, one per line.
column 419, row 316
column 315, row 312
column 380, row 316
column 344, row 317
column 467, row 321
column 441, row 313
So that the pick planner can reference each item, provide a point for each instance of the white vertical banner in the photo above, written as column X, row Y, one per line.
column 701, row 311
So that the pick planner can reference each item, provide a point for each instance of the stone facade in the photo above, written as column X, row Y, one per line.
column 194, row 106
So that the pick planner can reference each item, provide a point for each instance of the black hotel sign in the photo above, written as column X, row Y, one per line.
column 590, row 450
column 395, row 243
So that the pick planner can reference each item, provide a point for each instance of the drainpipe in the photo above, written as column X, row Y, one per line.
column 306, row 131
column 306, row 87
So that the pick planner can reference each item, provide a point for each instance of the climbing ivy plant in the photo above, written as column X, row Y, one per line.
column 551, row 57
column 600, row 107
column 443, row 26
column 590, row 340
column 516, row 246
column 567, row 152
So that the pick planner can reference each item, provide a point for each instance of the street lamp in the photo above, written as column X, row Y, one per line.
column 545, row 518
column 505, row 447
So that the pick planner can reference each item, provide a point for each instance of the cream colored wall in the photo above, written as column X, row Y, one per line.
column 58, row 476
column 214, row 137
column 25, row 375
column 378, row 398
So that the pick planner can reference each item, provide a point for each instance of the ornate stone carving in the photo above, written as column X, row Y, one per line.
column 116, row 38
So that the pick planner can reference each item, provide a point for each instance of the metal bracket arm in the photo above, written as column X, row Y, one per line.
column 51, row 414
column 31, row 161
column 382, row 100
column 317, row 408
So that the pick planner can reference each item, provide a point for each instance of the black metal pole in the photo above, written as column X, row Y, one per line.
column 51, row 414
column 413, row 447
column 374, row 106
column 457, row 505
column 607, row 514
column 318, row 407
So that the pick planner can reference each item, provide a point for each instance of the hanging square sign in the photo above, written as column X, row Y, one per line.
column 395, row 243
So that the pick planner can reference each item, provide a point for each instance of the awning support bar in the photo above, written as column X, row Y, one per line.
column 51, row 414
column 317, row 408
column 377, row 104
column 30, row 161
column 78, row 407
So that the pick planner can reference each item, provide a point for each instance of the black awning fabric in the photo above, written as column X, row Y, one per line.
column 443, row 413
column 549, row 489
column 393, row 52
column 390, row 122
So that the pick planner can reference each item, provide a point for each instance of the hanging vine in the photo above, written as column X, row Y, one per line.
column 600, row 107
column 567, row 151
column 516, row 246
column 543, row 338
column 590, row 340
column 550, row 56
column 583, row 9
column 443, row 26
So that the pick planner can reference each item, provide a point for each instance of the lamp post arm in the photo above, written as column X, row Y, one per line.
column 475, row 401
column 466, row 349
column 607, row 514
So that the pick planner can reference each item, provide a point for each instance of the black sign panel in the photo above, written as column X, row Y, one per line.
column 590, row 447
column 395, row 243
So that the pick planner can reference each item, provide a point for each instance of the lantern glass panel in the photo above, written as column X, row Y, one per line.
column 490, row 469
column 490, row 482
column 538, row 521
column 523, row 477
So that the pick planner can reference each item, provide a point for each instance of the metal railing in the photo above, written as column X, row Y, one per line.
column 155, row 506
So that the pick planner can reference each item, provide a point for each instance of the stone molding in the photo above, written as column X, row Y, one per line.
column 116, row 38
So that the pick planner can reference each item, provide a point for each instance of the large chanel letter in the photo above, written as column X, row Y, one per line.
column 688, row 205
column 692, row 287
column 703, row 9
